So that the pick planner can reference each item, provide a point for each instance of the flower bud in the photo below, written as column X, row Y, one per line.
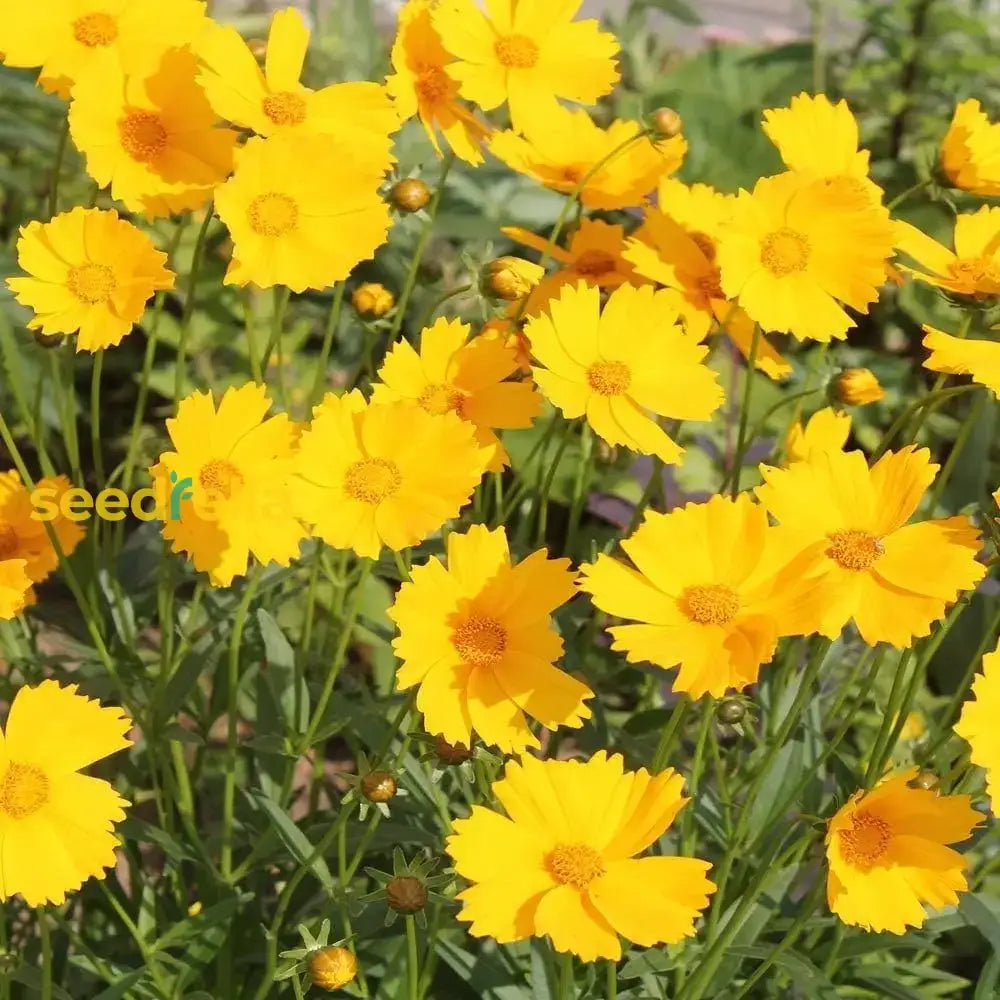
column 730, row 711
column 332, row 968
column 378, row 786
column 925, row 780
column 450, row 753
column 406, row 894
column 856, row 387
column 410, row 195
column 511, row 278
column 667, row 122
column 372, row 299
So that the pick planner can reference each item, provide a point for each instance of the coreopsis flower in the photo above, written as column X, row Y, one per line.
column 958, row 356
column 301, row 213
column 527, row 53
column 888, row 854
column 226, row 488
column 452, row 374
column 568, row 149
column 15, row 587
column 510, row 333
column 892, row 578
column 620, row 365
column 372, row 299
column 857, row 387
column 557, row 866
column 153, row 138
column 826, row 430
column 421, row 86
column 977, row 724
column 797, row 250
column 712, row 588
column 332, row 968
column 359, row 114
column 391, row 474
column 973, row 269
column 476, row 638
column 57, row 825
column 970, row 151
column 511, row 278
column 90, row 273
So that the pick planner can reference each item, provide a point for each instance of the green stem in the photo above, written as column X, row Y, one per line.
column 612, row 974
column 57, row 167
column 930, row 400
column 566, row 984
column 434, row 306
column 95, row 417
column 332, row 325
column 189, row 304
column 581, row 487
column 670, row 734
column 542, row 501
column 282, row 295
column 697, row 765
column 412, row 958
column 250, row 329
column 903, row 195
column 43, row 930
column 964, row 433
column 741, row 440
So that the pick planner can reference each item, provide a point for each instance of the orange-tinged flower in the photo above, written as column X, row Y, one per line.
column 958, row 356
column 970, row 152
column 857, row 387
column 826, row 430
column 15, row 588
column 977, row 724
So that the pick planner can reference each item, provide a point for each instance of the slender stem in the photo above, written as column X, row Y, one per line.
column 964, row 433
column 581, row 486
column 903, row 195
column 412, row 958
column 57, row 167
column 932, row 399
column 189, row 304
column 566, row 984
column 542, row 500
column 670, row 734
column 612, row 973
column 741, row 440
column 281, row 298
column 43, row 930
column 95, row 417
column 250, row 329
column 332, row 324
column 697, row 765
column 434, row 306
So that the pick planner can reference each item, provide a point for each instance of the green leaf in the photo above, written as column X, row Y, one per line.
column 798, row 967
column 295, row 840
column 117, row 990
column 983, row 915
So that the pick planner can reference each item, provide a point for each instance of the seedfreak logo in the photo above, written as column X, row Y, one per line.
column 181, row 489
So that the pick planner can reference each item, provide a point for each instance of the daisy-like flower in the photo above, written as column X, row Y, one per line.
column 970, row 151
column 511, row 278
column 15, row 588
column 226, row 487
column 555, row 865
column 359, row 114
column 56, row 825
column 892, row 578
column 153, row 138
column 973, row 269
column 826, row 430
column 713, row 589
column 957, row 356
column 452, row 374
column 420, row 85
column 368, row 476
column 527, row 53
column 620, row 365
column 888, row 854
column 571, row 145
column 301, row 213
column 798, row 250
column 977, row 724
column 89, row 273
column 477, row 638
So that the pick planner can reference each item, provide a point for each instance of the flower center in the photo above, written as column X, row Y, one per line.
column 95, row 29
column 372, row 480
column 573, row 175
column 855, row 549
column 971, row 272
column 91, row 283
column 432, row 84
column 481, row 641
column 609, row 378
column 516, row 51
column 710, row 284
column 595, row 263
column 441, row 398
column 8, row 541
column 574, row 864
column 784, row 251
column 220, row 477
column 285, row 108
column 705, row 244
column 143, row 135
column 273, row 214
column 23, row 790
column 712, row 604
column 867, row 841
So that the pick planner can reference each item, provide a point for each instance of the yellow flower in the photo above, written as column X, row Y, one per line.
column 970, row 152
column 569, row 148
column 421, row 86
column 894, row 579
column 368, row 476
column 973, row 269
column 332, row 968
column 15, row 588
column 555, row 865
column 619, row 365
column 527, row 53
column 477, row 638
column 450, row 375
column 90, row 273
column 153, row 138
column 372, row 299
column 237, row 466
column 977, row 724
column 510, row 335
column 888, row 856
column 511, row 278
column 712, row 588
column 300, row 213
column 797, row 249
column 827, row 430
column 359, row 114
column 56, row 825
column 956, row 356
column 857, row 387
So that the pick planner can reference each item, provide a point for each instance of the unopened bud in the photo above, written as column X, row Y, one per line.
column 406, row 894
column 511, row 278
column 925, row 780
column 667, row 122
column 48, row 339
column 730, row 711
column 332, row 968
column 378, row 786
column 372, row 299
column 857, row 386
column 410, row 195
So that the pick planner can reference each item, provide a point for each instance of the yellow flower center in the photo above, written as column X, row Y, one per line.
column 595, row 263
column 273, row 214
column 609, row 378
column 971, row 272
column 432, row 84
column 710, row 284
column 855, row 549
column 143, row 135
column 574, row 864
column 784, row 251
column 867, row 841
column 442, row 398
column 480, row 640
column 285, row 108
column 573, row 175
column 516, row 51
column 372, row 480
column 705, row 244
column 91, row 283
column 23, row 790
column 712, row 604
column 220, row 477
column 8, row 541
column 95, row 29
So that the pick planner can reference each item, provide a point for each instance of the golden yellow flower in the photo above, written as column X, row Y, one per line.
column 970, row 152
column 15, row 588
column 332, row 968
column 372, row 299
column 511, row 278
column 826, row 430
column 958, row 356
column 857, row 387
column 977, row 724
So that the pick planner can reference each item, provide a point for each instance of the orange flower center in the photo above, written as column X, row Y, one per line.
column 285, row 108
column 91, row 283
column 516, row 51
column 143, row 135
column 8, row 541
column 432, row 84
column 972, row 272
column 710, row 284
column 855, row 549
column 480, row 640
column 705, row 244
column 867, row 841
column 372, row 480
column 95, row 30
column 785, row 251
column 442, row 398
column 574, row 864
column 23, row 790
column 609, row 378
column 573, row 175
column 273, row 214
column 220, row 477
column 712, row 604
column 595, row 263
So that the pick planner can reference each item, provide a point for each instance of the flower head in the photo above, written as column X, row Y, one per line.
column 958, row 356
column 511, row 278
column 857, row 387
column 826, row 430
column 977, row 724
column 372, row 299
column 332, row 968
column 410, row 194
column 970, row 152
